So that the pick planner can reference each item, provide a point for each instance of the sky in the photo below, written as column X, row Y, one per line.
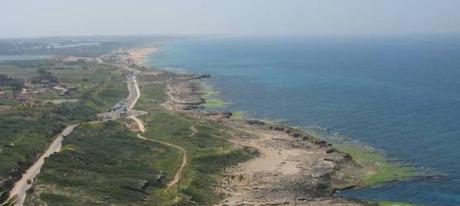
column 34, row 18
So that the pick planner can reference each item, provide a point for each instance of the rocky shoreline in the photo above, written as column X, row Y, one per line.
column 293, row 168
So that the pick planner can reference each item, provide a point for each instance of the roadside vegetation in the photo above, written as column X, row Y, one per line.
column 106, row 163
column 28, row 124
column 206, row 143
column 25, row 133
column 103, row 164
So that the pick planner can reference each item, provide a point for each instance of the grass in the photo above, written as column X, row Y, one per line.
column 103, row 165
column 106, row 163
column 25, row 133
column 208, row 150
column 27, row 130
column 206, row 177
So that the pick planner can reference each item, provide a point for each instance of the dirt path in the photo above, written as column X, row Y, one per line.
column 135, row 88
column 178, row 174
column 18, row 193
column 139, row 123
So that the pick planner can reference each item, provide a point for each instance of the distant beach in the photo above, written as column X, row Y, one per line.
column 138, row 55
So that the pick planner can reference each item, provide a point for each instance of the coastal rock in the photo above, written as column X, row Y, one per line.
column 255, row 122
column 219, row 115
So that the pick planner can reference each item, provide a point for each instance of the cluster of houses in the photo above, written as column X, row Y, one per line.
column 24, row 89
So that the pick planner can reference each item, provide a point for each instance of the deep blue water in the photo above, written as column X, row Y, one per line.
column 400, row 95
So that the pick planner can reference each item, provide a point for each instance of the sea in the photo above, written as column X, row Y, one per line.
column 397, row 94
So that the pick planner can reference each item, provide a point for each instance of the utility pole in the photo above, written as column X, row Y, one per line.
column 178, row 183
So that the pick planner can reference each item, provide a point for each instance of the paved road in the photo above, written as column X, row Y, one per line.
column 20, row 187
column 134, row 92
column 134, row 95
column 18, row 192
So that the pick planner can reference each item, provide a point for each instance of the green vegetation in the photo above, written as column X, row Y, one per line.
column 25, row 133
column 103, row 164
column 388, row 203
column 238, row 115
column 206, row 144
column 14, row 84
column 41, row 47
column 107, row 164
column 385, row 171
column 44, row 75
column 208, row 149
column 209, row 94
column 206, row 168
column 22, row 69
column 27, row 129
column 214, row 103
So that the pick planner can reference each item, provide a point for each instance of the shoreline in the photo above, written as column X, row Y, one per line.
column 185, row 96
column 138, row 55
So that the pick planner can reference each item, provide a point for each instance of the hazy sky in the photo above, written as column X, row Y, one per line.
column 24, row 18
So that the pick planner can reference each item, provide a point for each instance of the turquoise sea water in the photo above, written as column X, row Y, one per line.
column 400, row 95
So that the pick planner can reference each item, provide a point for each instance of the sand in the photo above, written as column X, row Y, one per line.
column 137, row 55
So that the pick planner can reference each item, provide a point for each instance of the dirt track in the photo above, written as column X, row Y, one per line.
column 135, row 97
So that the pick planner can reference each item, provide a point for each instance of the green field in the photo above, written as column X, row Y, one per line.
column 26, row 130
column 103, row 164
column 106, row 164
column 208, row 149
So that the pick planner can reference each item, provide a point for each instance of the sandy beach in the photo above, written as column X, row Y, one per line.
column 138, row 55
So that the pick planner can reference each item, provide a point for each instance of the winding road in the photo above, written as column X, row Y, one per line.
column 133, row 97
column 18, row 192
